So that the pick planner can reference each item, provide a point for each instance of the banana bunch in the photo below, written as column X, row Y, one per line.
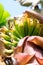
column 18, row 28
column 28, row 27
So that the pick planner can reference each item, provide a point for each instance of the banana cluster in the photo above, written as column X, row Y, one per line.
column 18, row 28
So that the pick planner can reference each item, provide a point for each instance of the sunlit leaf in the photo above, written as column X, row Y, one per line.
column 3, row 15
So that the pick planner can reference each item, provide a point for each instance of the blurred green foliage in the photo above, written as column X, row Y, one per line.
column 3, row 15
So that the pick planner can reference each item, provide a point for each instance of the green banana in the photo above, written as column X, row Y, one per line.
column 13, row 37
column 37, row 29
column 9, row 45
column 8, row 52
column 31, row 26
column 16, row 33
column 21, row 29
column 25, row 27
column 5, row 28
column 6, row 37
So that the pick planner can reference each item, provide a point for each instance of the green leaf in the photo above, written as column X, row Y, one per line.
column 1, row 10
column 3, row 16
